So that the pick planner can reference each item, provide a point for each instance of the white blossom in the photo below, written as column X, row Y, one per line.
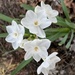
column 37, row 49
column 35, row 22
column 47, row 11
column 48, row 64
column 15, row 34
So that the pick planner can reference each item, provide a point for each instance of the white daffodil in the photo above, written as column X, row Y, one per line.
column 15, row 34
column 48, row 64
column 35, row 22
column 22, row 44
column 47, row 11
column 37, row 49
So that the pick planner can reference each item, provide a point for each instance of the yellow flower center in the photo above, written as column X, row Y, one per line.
column 15, row 34
column 36, row 48
column 36, row 23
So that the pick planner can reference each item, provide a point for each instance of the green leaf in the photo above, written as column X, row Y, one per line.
column 5, row 18
column 21, row 65
column 66, row 12
column 69, row 24
column 61, row 23
column 56, row 36
column 64, row 39
column 60, row 18
column 27, row 7
column 50, row 30
column 69, row 43
column 3, row 35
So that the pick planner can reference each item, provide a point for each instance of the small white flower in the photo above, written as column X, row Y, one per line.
column 15, row 34
column 22, row 44
column 37, row 49
column 35, row 22
column 47, row 11
column 48, row 64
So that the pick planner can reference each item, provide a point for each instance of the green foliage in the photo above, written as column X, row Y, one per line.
column 21, row 65
column 66, row 12
column 5, row 18
column 69, row 42
column 27, row 7
column 3, row 35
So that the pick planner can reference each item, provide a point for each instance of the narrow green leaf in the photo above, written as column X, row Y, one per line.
column 69, row 24
column 60, row 18
column 66, row 12
column 64, row 39
column 3, row 35
column 5, row 18
column 61, row 23
column 21, row 65
column 56, row 36
column 57, row 30
column 27, row 7
column 69, row 43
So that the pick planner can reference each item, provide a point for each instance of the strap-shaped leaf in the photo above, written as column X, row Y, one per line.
column 27, row 7
column 49, row 30
column 3, row 35
column 64, row 39
column 60, row 18
column 69, row 43
column 5, row 18
column 69, row 24
column 56, row 36
column 21, row 65
column 66, row 12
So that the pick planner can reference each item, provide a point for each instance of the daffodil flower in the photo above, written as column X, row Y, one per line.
column 48, row 64
column 37, row 49
column 47, row 11
column 35, row 22
column 15, row 34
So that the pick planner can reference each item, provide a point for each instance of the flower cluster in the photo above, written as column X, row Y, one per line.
column 35, row 21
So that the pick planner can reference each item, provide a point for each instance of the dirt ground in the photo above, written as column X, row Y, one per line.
column 10, row 60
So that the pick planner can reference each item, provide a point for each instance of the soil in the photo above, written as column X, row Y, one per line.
column 10, row 60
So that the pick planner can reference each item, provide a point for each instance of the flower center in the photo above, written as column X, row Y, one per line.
column 36, row 48
column 36, row 23
column 15, row 34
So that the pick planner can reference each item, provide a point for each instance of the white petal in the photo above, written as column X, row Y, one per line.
column 29, row 19
column 33, row 30
column 43, row 53
column 10, row 39
column 45, row 71
column 21, row 29
column 45, row 6
column 45, row 23
column 45, row 64
column 36, row 57
column 28, row 55
column 53, row 19
column 46, row 43
column 37, row 9
column 25, row 22
column 22, row 45
column 14, row 22
column 39, row 69
column 19, row 38
column 30, row 15
column 9, row 29
column 28, row 46
column 55, row 13
column 15, row 45
column 40, row 33
column 52, row 55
